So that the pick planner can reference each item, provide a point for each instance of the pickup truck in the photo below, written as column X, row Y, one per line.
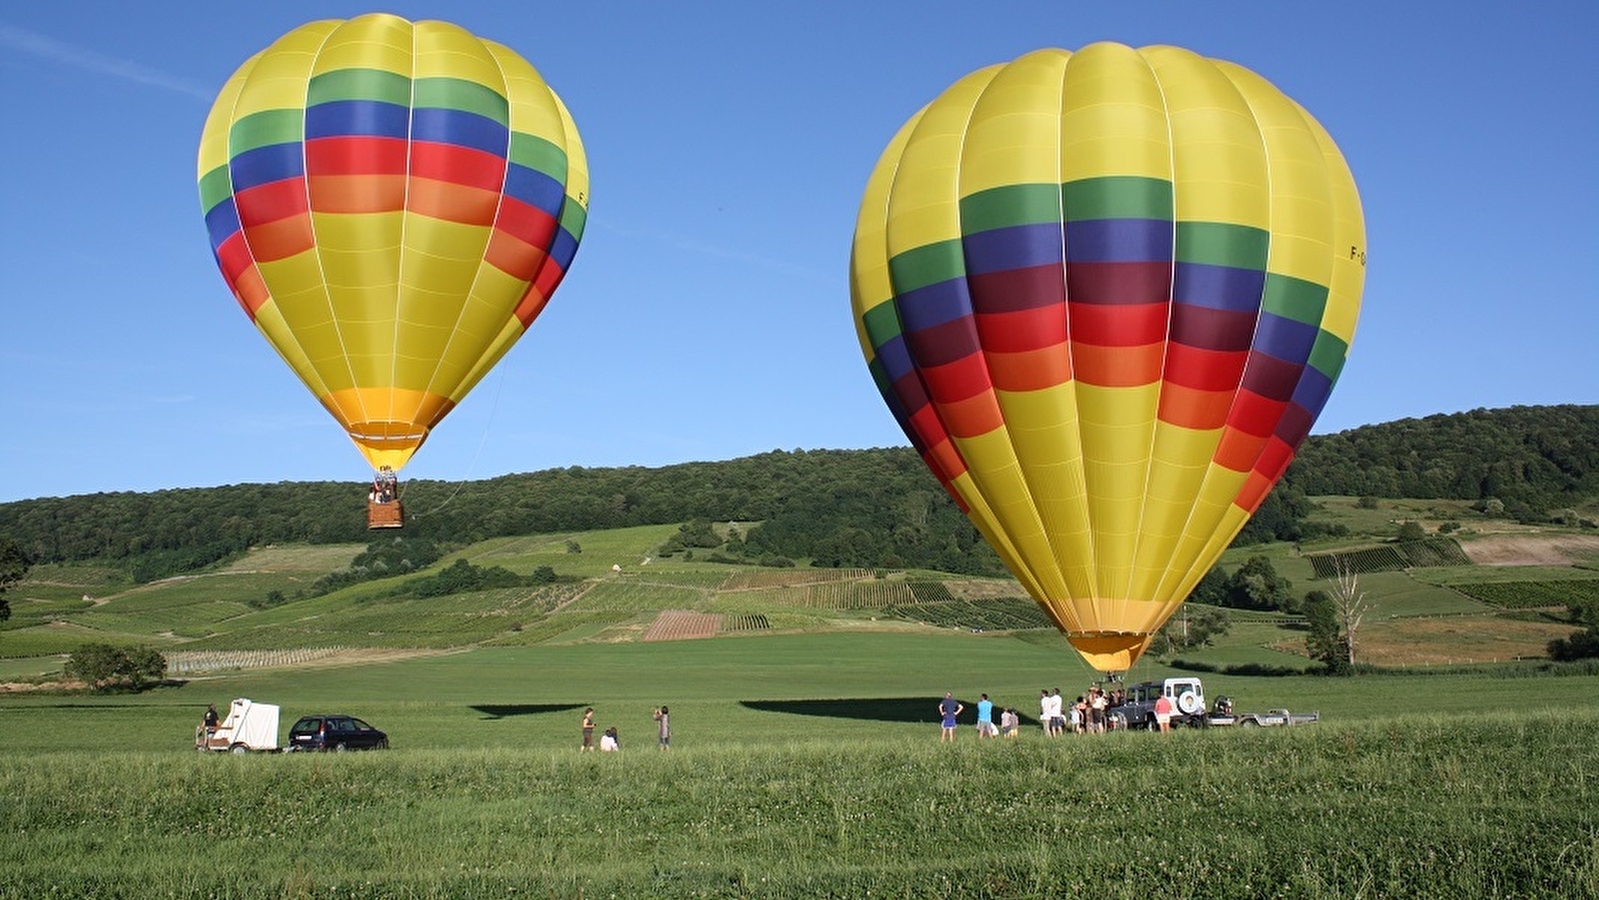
column 1222, row 715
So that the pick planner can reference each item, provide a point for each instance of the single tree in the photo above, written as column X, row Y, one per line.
column 1350, row 603
column 14, row 565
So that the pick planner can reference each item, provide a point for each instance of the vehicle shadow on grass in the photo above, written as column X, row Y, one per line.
column 506, row 710
column 873, row 709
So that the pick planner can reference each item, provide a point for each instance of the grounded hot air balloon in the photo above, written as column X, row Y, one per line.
column 1106, row 294
column 392, row 204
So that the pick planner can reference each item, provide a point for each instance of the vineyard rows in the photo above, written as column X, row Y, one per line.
column 769, row 578
column 682, row 624
column 989, row 615
column 745, row 622
column 1432, row 552
column 183, row 662
column 1533, row 594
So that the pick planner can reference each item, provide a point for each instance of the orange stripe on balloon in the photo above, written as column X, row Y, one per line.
column 1238, row 450
column 1031, row 370
column 357, row 193
column 512, row 256
column 1200, row 410
column 251, row 291
column 972, row 417
column 533, row 303
column 281, row 239
column 1117, row 366
column 452, row 202
column 1254, row 492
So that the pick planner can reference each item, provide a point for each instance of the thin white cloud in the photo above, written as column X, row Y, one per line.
column 39, row 46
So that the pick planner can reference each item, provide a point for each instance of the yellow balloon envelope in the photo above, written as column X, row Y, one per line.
column 1106, row 294
column 392, row 203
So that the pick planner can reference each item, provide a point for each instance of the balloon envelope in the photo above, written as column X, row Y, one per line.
column 392, row 203
column 1106, row 294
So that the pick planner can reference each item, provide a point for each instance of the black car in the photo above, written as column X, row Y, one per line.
column 338, row 733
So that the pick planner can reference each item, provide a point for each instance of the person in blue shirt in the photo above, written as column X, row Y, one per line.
column 985, row 718
column 948, row 709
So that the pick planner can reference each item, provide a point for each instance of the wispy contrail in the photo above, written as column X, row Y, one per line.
column 46, row 48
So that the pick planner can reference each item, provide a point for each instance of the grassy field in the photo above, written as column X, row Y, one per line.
column 803, row 765
column 805, row 761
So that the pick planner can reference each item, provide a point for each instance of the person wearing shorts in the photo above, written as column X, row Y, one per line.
column 948, row 709
column 588, row 729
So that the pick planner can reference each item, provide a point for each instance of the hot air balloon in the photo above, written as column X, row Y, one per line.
column 392, row 204
column 1106, row 294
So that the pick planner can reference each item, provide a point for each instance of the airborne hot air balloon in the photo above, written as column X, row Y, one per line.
column 392, row 204
column 1106, row 294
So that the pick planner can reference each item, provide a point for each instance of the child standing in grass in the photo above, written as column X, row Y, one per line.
column 663, row 729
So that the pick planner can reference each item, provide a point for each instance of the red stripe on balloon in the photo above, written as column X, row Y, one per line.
column 1205, row 370
column 525, row 222
column 1132, row 325
column 1254, row 492
column 361, row 155
column 957, row 380
column 1022, row 330
column 1254, row 414
column 457, row 165
column 514, row 257
column 271, row 202
column 1238, row 450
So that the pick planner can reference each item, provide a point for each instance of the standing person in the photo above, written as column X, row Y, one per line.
column 588, row 730
column 663, row 729
column 1043, row 710
column 1057, row 721
column 985, row 718
column 1163, row 713
column 1097, row 704
column 948, row 709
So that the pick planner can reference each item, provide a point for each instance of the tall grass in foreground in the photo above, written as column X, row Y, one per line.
column 1418, row 808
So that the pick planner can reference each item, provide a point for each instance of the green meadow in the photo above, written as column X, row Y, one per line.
column 805, row 759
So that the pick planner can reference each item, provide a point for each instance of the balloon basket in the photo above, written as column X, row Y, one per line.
column 384, row 515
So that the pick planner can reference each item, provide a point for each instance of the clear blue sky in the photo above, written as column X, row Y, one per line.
column 707, row 314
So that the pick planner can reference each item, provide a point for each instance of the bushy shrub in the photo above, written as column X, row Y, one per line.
column 106, row 667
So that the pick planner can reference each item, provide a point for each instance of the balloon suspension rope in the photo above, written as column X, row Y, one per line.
column 493, row 409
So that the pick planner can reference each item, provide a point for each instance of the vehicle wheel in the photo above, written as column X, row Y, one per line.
column 383, row 744
column 238, row 748
column 1249, row 723
column 1189, row 702
column 1115, row 722
column 339, row 748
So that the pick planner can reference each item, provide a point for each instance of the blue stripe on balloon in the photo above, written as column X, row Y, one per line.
column 460, row 128
column 264, row 165
column 933, row 305
column 1015, row 247
column 563, row 248
column 222, row 222
column 357, row 118
column 536, row 189
column 1118, row 240
column 1218, row 287
column 1285, row 338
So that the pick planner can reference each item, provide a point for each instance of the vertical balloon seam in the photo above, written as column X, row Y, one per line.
column 1023, row 473
column 432, row 380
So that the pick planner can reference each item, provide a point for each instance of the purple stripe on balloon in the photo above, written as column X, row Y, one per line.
column 1285, row 338
column 1016, row 247
column 933, row 305
column 1218, row 287
column 1118, row 240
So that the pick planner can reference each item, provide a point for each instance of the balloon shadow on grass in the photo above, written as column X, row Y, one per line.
column 871, row 709
column 506, row 710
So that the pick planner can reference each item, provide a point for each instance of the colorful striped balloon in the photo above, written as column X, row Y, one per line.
column 1106, row 294
column 392, row 204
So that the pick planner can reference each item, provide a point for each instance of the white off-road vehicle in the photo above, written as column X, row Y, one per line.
column 1137, row 709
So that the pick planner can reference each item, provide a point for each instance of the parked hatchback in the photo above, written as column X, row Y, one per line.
column 338, row 733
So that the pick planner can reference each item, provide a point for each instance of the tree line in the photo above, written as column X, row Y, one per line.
column 844, row 508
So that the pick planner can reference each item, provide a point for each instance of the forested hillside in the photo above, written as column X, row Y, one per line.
column 1536, row 460
column 877, row 507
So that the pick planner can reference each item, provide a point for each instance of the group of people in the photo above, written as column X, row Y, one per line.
column 385, row 486
column 1085, row 715
column 611, row 742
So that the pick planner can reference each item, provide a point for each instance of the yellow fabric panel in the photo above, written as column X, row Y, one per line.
column 533, row 107
column 214, row 136
column 1113, row 117
column 1219, row 161
column 361, row 249
column 510, row 332
column 870, row 284
column 994, row 475
column 443, row 50
column 1015, row 121
column 923, row 207
column 1110, row 652
column 577, row 163
column 1349, row 267
column 1301, row 202
column 277, row 79
column 375, row 41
